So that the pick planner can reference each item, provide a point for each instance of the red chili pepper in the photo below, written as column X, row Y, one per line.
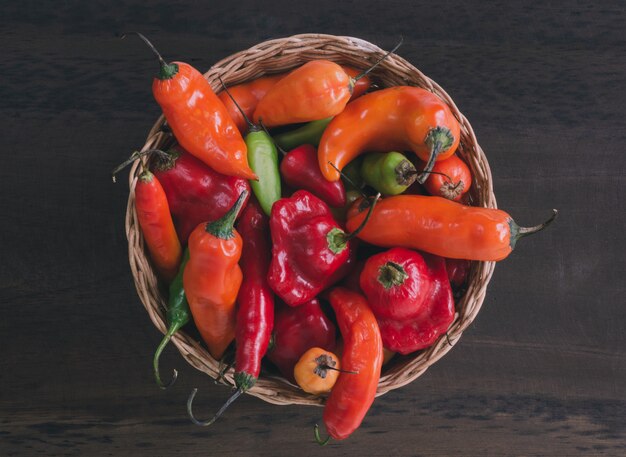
column 296, row 330
column 300, row 170
column 354, row 392
column 255, row 316
column 309, row 247
column 198, row 118
column 156, row 224
column 255, row 313
column 435, row 314
column 397, row 284
column 195, row 192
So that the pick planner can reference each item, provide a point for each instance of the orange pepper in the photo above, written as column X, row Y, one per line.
column 212, row 279
column 198, row 119
column 249, row 94
column 392, row 119
column 440, row 226
column 155, row 220
column 317, row 371
column 451, row 179
column 316, row 90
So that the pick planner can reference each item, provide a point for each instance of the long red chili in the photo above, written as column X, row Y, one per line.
column 354, row 393
column 255, row 314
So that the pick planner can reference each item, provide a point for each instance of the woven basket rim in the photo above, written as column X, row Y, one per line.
column 278, row 55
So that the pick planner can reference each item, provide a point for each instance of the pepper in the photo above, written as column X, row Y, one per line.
column 354, row 393
column 389, row 173
column 297, row 330
column 441, row 227
column 397, row 284
column 195, row 192
column 451, row 179
column 153, row 215
column 300, row 170
column 309, row 134
column 317, row 371
column 212, row 279
column 316, row 90
column 436, row 313
column 197, row 117
column 177, row 316
column 396, row 118
column 247, row 96
column 255, row 312
column 263, row 159
column 309, row 247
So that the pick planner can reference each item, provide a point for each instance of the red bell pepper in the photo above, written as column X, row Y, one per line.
column 195, row 192
column 296, row 330
column 412, row 301
column 310, row 250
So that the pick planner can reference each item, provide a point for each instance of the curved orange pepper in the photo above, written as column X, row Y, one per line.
column 396, row 118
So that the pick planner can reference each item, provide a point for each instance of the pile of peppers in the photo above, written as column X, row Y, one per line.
column 347, row 233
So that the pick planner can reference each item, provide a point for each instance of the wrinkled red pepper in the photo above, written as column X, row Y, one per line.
column 300, row 170
column 310, row 250
column 418, row 305
column 296, row 330
column 195, row 192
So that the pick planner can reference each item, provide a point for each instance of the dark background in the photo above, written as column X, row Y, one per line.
column 540, row 372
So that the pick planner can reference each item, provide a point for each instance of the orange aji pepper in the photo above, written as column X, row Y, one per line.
column 396, row 118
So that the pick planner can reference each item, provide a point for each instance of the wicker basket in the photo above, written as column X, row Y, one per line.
column 277, row 56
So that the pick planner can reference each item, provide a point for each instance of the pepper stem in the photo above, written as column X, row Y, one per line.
column 439, row 139
column 244, row 381
column 248, row 121
column 366, row 72
column 350, row 181
column 391, row 274
column 168, row 70
column 223, row 227
column 338, row 239
column 137, row 155
column 157, row 355
column 518, row 232
column 318, row 439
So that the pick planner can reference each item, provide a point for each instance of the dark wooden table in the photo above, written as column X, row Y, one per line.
column 541, row 372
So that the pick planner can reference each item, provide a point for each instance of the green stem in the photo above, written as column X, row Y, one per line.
column 366, row 72
column 233, row 397
column 338, row 239
column 518, row 232
column 223, row 227
column 174, row 327
column 439, row 139
column 318, row 439
column 167, row 70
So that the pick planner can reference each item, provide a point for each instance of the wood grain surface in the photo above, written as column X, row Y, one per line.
column 541, row 372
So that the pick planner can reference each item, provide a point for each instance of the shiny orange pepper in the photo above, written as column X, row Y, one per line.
column 316, row 90
column 155, row 220
column 392, row 119
column 212, row 279
column 248, row 95
column 198, row 119
column 441, row 226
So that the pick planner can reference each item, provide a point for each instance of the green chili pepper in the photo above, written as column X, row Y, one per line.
column 177, row 316
column 309, row 133
column 263, row 159
column 389, row 173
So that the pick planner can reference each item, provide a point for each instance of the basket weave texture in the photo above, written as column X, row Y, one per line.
column 277, row 56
